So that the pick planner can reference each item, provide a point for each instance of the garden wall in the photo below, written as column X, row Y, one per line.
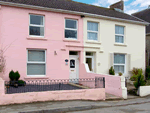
column 84, row 94
column 112, row 83
column 144, row 91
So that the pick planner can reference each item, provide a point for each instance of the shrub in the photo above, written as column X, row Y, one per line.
column 135, row 71
column 120, row 73
column 147, row 72
column 17, row 75
column 21, row 83
column 12, row 75
column 140, row 79
column 111, row 71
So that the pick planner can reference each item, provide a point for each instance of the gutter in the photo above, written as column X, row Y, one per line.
column 69, row 12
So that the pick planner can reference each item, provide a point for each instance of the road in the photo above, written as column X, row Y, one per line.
column 138, row 108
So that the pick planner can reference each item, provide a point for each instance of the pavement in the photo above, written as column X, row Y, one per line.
column 68, row 106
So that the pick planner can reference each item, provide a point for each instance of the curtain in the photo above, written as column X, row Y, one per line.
column 119, row 30
column 34, row 55
column 92, row 26
column 35, row 69
column 119, row 58
column 119, row 39
column 92, row 36
column 71, row 24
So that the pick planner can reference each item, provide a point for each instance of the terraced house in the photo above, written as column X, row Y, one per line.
column 56, row 39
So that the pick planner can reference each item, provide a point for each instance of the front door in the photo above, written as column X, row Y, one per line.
column 74, row 67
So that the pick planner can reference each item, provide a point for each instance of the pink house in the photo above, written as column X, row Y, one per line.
column 54, row 39
column 39, row 44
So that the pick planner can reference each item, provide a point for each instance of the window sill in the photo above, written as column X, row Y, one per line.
column 71, row 40
column 36, row 77
column 37, row 38
column 93, row 42
column 117, row 44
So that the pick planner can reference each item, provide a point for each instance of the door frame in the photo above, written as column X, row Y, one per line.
column 92, row 57
column 77, row 68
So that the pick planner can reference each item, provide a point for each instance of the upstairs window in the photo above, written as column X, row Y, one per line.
column 36, row 27
column 119, row 34
column 92, row 31
column 71, row 28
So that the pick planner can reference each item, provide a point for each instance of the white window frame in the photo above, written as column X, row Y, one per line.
column 92, row 57
column 32, row 62
column 72, row 28
column 115, row 64
column 90, row 31
column 120, row 35
column 33, row 25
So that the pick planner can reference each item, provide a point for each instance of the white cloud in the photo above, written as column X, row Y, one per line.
column 131, row 11
column 106, row 3
column 142, row 3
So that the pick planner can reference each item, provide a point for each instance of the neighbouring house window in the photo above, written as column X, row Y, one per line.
column 119, row 34
column 71, row 28
column 90, row 60
column 36, row 63
column 92, row 31
column 36, row 27
column 119, row 63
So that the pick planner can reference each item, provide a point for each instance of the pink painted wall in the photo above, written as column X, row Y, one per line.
column 14, row 27
column 82, row 94
column 112, row 83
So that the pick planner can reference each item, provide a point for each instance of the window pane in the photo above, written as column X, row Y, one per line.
column 35, row 69
column 118, row 69
column 92, row 26
column 72, row 63
column 119, row 30
column 70, row 34
column 34, row 55
column 38, row 31
column 119, row 58
column 36, row 19
column 71, row 24
column 92, row 36
column 119, row 39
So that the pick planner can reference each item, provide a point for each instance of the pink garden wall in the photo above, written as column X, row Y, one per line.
column 14, row 32
column 112, row 83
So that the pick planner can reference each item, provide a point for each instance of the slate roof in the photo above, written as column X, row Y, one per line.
column 145, row 15
column 76, row 6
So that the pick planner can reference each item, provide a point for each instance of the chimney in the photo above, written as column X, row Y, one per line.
column 118, row 6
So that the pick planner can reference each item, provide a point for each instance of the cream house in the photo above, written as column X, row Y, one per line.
column 116, row 43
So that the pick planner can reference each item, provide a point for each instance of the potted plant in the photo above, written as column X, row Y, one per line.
column 120, row 74
column 111, row 71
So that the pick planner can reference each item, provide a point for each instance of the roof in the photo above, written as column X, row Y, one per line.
column 145, row 15
column 76, row 6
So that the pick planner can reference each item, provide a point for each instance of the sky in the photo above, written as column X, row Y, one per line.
column 130, row 6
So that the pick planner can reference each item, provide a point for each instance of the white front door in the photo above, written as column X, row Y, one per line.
column 74, row 66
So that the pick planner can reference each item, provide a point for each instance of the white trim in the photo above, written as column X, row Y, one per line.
column 93, row 61
column 34, row 25
column 35, row 62
column 72, row 29
column 70, row 12
column 120, row 64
